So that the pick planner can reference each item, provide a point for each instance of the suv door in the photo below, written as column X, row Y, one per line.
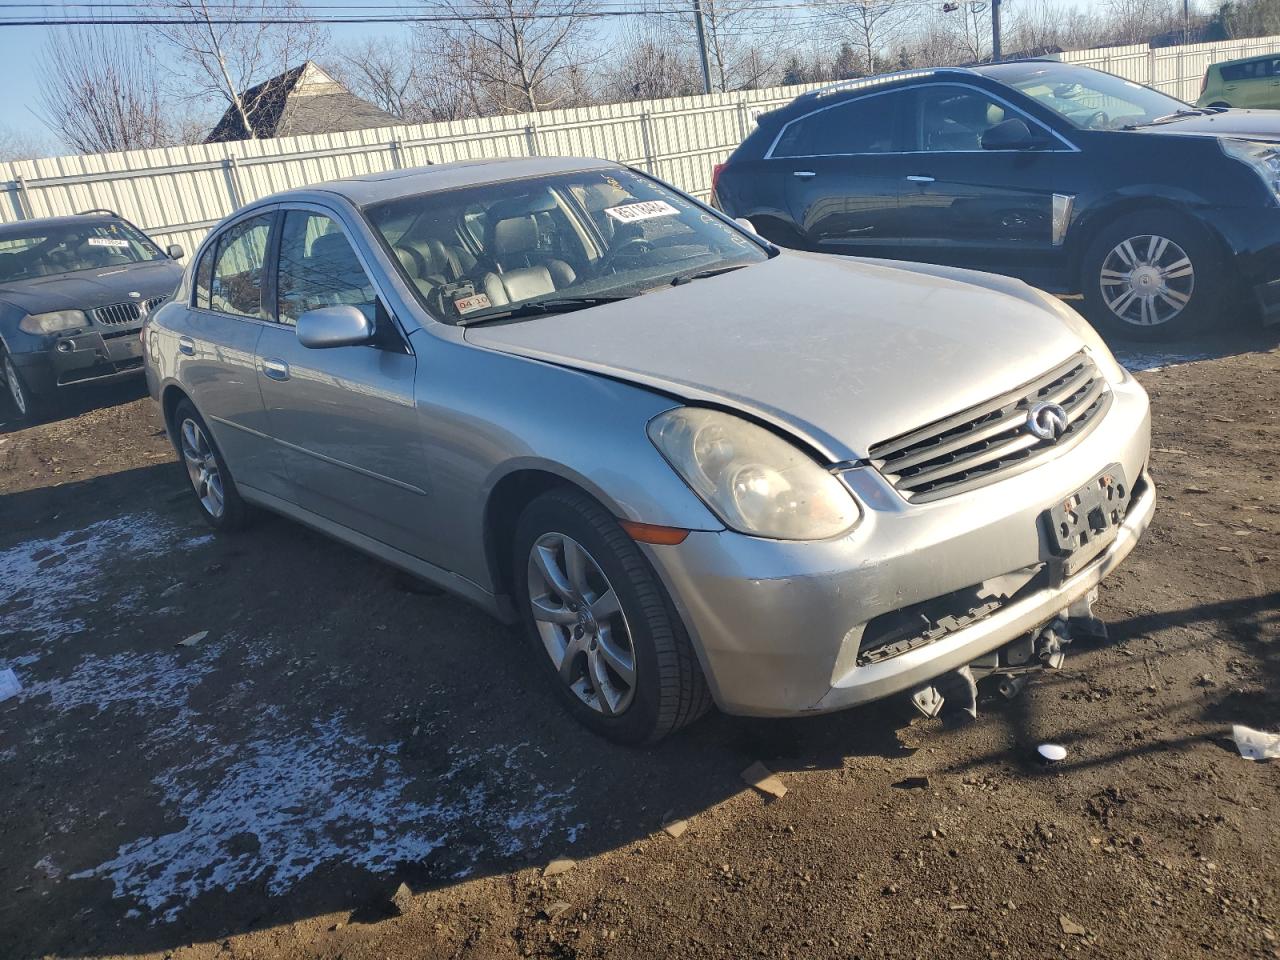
column 842, row 171
column 215, row 342
column 344, row 417
column 986, row 209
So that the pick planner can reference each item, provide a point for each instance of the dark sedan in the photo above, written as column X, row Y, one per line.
column 1074, row 180
column 73, row 294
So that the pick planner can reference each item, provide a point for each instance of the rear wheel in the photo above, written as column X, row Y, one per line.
column 1152, row 275
column 211, row 481
column 600, row 623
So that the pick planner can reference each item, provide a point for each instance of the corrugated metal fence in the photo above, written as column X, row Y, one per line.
column 178, row 193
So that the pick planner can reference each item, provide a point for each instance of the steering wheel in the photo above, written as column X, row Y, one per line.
column 640, row 243
column 1098, row 120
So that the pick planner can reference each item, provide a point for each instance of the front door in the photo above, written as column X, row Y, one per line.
column 843, row 175
column 343, row 418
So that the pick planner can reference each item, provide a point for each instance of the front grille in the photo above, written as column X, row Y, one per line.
column 117, row 313
column 153, row 303
column 990, row 441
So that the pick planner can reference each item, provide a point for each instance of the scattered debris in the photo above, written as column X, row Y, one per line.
column 913, row 783
column 402, row 899
column 48, row 868
column 558, row 866
column 556, row 910
column 762, row 778
column 1175, row 450
column 1052, row 752
column 192, row 640
column 9, row 685
column 1070, row 927
column 1256, row 744
column 675, row 828
column 959, row 906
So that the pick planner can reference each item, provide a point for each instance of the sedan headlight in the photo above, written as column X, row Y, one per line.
column 756, row 482
column 39, row 323
column 1263, row 157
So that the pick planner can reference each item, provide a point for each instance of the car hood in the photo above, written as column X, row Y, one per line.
column 86, row 289
column 1243, row 124
column 841, row 352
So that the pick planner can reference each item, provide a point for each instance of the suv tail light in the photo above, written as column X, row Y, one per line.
column 1204, row 82
column 715, row 180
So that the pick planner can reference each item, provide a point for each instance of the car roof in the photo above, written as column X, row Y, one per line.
column 26, row 227
column 858, row 84
column 393, row 184
column 1232, row 63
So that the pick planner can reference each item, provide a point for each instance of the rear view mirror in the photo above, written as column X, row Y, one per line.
column 1011, row 134
column 175, row 251
column 745, row 224
column 340, row 326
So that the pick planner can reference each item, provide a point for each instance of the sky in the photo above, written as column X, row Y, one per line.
column 20, row 78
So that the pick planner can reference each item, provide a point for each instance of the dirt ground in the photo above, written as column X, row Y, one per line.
column 341, row 730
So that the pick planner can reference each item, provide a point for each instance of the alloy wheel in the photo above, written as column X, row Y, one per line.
column 202, row 467
column 581, row 624
column 1147, row 280
column 15, row 387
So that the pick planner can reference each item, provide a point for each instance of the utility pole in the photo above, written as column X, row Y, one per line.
column 702, row 46
column 995, row 29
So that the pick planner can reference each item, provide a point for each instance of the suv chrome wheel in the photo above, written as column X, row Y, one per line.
column 1147, row 280
column 15, row 387
column 581, row 624
column 202, row 467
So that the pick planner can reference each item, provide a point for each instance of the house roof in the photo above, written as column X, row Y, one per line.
column 300, row 101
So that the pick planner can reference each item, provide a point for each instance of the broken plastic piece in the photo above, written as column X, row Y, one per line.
column 1052, row 752
column 9, row 685
column 927, row 700
column 1256, row 744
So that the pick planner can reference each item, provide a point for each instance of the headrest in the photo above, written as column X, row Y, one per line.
column 330, row 246
column 408, row 261
column 514, row 235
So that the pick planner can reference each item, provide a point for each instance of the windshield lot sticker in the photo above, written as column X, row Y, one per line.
column 107, row 242
column 644, row 210
column 471, row 304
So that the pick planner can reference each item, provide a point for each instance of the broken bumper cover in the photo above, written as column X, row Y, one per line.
column 778, row 625
column 81, row 357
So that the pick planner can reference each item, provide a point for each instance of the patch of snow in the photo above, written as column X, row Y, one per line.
column 142, row 681
column 1136, row 361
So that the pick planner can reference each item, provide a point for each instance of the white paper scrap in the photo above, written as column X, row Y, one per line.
column 1255, row 744
column 9, row 685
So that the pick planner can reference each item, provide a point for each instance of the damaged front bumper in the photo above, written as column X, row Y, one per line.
column 786, row 628
column 82, row 356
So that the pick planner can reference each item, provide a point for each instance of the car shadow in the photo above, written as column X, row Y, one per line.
column 335, row 728
column 74, row 401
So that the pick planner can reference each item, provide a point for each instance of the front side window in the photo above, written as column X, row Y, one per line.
column 866, row 125
column 561, row 241
column 318, row 268
column 236, row 285
column 955, row 118
column 204, row 276
column 1090, row 99
column 43, row 251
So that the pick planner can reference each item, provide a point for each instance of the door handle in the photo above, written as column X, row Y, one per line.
column 187, row 346
column 803, row 173
column 921, row 179
column 276, row 369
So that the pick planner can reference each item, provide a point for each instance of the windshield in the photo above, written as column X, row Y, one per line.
column 42, row 251
column 1088, row 98
column 566, row 239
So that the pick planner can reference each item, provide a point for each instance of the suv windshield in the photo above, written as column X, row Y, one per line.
column 569, row 241
column 1088, row 98
column 41, row 251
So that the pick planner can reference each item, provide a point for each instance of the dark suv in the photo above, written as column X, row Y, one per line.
column 73, row 294
column 1074, row 180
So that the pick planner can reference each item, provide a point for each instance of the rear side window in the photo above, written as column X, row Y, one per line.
column 236, row 285
column 868, row 125
column 318, row 268
column 1252, row 70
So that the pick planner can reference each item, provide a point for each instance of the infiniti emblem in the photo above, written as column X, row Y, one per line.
column 1048, row 421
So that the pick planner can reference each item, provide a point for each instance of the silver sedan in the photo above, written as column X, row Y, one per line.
column 696, row 469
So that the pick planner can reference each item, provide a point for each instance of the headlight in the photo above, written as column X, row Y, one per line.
column 1097, row 348
column 39, row 323
column 1263, row 157
column 756, row 482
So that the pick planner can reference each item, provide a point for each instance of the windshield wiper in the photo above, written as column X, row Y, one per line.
column 680, row 278
column 1170, row 117
column 540, row 307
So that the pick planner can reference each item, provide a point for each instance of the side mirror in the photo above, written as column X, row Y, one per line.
column 745, row 224
column 1011, row 134
column 175, row 251
column 340, row 326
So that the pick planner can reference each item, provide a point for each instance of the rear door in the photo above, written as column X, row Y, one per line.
column 216, row 337
column 344, row 418
column 986, row 209
column 841, row 165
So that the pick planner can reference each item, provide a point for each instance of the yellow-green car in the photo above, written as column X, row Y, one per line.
column 1251, row 82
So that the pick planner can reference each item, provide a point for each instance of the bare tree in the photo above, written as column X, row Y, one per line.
column 100, row 94
column 18, row 145
column 868, row 27
column 221, row 53
column 649, row 63
column 521, row 54
column 1136, row 21
column 392, row 74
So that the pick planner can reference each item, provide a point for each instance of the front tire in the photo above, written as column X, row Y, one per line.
column 215, row 490
column 1152, row 275
column 30, row 408
column 600, row 622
